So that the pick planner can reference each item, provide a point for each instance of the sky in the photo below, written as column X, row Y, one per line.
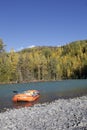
column 28, row 23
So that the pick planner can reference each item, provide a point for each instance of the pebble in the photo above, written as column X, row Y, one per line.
column 62, row 114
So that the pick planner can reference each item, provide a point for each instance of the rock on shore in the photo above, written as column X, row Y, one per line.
column 62, row 114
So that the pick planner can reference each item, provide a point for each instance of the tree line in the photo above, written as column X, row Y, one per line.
column 44, row 63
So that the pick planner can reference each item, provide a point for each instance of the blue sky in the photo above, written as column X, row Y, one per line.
column 25, row 23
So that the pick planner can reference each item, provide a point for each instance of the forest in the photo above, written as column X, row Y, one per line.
column 44, row 63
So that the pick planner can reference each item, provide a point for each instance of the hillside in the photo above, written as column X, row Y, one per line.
column 45, row 63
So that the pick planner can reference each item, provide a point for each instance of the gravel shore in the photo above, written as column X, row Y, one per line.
column 62, row 114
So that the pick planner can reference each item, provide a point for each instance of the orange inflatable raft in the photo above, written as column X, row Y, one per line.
column 30, row 96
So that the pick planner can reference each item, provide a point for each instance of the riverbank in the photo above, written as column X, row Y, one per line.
column 69, row 114
column 31, row 81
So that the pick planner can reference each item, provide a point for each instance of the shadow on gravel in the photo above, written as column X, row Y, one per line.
column 80, row 128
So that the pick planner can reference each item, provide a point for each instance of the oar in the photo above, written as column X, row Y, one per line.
column 14, row 91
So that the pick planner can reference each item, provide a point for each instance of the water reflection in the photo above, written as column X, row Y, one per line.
column 21, row 104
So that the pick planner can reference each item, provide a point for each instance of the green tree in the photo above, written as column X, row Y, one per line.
column 2, row 45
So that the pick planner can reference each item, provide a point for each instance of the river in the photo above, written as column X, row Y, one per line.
column 49, row 91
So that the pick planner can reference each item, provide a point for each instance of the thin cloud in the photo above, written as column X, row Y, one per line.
column 31, row 46
column 21, row 48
